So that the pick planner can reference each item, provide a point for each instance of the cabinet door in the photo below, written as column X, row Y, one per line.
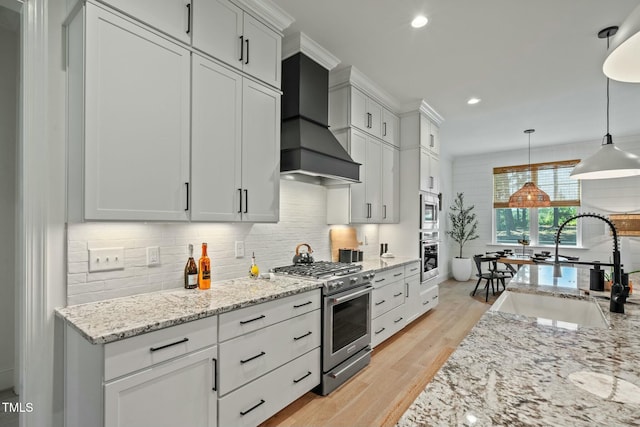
column 434, row 167
column 434, row 139
column 375, row 118
column 260, row 153
column 359, row 207
column 390, row 184
column 217, row 28
column 169, row 16
column 136, row 122
column 374, row 179
column 359, row 116
column 425, row 132
column 413, row 301
column 426, row 177
column 177, row 393
column 216, row 142
column 263, row 51
column 390, row 126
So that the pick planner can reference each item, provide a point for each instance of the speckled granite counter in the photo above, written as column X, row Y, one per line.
column 510, row 370
column 381, row 264
column 119, row 318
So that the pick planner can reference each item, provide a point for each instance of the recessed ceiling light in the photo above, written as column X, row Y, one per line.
column 419, row 21
column 473, row 101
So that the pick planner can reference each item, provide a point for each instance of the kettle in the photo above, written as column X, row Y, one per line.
column 303, row 257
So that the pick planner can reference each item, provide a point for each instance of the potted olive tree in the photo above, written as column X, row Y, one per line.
column 463, row 229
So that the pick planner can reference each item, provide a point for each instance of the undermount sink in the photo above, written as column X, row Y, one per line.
column 565, row 313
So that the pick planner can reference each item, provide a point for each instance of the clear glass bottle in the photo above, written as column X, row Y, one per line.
column 191, row 272
column 204, row 267
column 254, row 271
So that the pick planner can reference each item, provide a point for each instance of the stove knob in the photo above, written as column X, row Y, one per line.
column 354, row 280
column 340, row 283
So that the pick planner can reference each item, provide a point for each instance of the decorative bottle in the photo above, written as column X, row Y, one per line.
column 204, row 268
column 191, row 271
column 254, row 271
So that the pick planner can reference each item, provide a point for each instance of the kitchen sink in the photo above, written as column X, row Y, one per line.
column 568, row 313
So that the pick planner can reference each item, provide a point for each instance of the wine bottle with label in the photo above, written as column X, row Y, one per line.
column 204, row 268
column 191, row 271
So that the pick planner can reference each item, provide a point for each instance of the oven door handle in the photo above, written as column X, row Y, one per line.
column 343, row 370
column 351, row 296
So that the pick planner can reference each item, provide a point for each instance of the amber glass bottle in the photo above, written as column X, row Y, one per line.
column 204, row 269
column 191, row 271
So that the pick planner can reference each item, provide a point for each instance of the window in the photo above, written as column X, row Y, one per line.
column 538, row 225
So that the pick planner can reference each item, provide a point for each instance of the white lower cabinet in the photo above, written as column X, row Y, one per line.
column 260, row 399
column 387, row 325
column 388, row 299
column 176, row 393
column 421, row 296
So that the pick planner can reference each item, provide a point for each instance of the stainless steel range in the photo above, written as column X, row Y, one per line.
column 346, row 318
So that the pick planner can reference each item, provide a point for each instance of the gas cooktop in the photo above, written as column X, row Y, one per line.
column 319, row 269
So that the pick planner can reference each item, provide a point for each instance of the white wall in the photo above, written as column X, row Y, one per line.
column 302, row 220
column 9, row 61
column 473, row 175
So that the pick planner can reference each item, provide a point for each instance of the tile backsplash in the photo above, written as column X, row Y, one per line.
column 302, row 220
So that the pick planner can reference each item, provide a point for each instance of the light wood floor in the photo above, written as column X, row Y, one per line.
column 400, row 368
column 8, row 419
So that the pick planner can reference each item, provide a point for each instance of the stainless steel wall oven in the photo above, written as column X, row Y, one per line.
column 429, row 252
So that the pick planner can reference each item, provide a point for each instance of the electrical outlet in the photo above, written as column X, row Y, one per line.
column 153, row 255
column 106, row 259
column 239, row 249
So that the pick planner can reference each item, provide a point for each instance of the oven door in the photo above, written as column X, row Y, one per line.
column 347, row 325
column 429, row 259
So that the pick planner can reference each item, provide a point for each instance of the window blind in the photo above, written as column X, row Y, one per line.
column 550, row 177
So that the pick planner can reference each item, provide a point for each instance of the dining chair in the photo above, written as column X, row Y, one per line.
column 490, row 274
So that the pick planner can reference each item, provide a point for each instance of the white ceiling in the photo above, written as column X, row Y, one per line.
column 535, row 64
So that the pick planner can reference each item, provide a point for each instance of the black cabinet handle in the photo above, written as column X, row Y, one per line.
column 397, row 295
column 243, row 413
column 301, row 378
column 262, row 353
column 384, row 126
column 397, row 320
column 430, row 182
column 302, row 336
column 398, row 274
column 241, row 49
column 384, row 209
column 426, row 302
column 240, row 197
column 152, row 349
column 215, row 375
column 301, row 305
column 246, row 201
column 247, row 43
column 188, row 18
column 381, row 302
column 377, row 332
column 187, row 184
column 244, row 322
column 369, row 120
column 380, row 280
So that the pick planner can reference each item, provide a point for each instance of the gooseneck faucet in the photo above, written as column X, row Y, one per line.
column 619, row 293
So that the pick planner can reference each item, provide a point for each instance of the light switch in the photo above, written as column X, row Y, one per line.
column 106, row 259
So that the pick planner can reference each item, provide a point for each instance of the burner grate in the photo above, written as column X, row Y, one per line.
column 319, row 269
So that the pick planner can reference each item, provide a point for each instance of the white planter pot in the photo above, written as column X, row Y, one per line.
column 461, row 268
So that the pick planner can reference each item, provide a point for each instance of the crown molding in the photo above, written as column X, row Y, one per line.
column 424, row 108
column 300, row 42
column 351, row 75
column 270, row 12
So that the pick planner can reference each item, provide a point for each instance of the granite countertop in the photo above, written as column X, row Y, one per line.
column 511, row 370
column 111, row 320
column 381, row 264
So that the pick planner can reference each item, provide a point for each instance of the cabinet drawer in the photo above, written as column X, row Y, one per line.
column 245, row 320
column 249, row 356
column 260, row 399
column 387, row 276
column 429, row 298
column 386, row 298
column 132, row 354
column 412, row 269
column 387, row 325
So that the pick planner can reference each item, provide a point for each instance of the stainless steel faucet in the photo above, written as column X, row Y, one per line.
column 619, row 293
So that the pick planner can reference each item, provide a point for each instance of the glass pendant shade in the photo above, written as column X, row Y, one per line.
column 529, row 196
column 623, row 61
column 608, row 162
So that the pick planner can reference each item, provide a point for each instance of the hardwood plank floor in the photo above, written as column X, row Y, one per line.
column 400, row 368
column 8, row 419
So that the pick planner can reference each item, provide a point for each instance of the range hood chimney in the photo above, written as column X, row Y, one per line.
column 309, row 151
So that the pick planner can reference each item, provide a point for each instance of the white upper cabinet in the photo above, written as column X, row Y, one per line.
column 216, row 142
column 390, row 127
column 135, row 134
column 390, row 184
column 225, row 31
column 366, row 114
column 235, row 155
column 429, row 172
column 169, row 16
column 429, row 136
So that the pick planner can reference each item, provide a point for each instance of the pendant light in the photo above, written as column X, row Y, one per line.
column 609, row 161
column 529, row 196
column 623, row 61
